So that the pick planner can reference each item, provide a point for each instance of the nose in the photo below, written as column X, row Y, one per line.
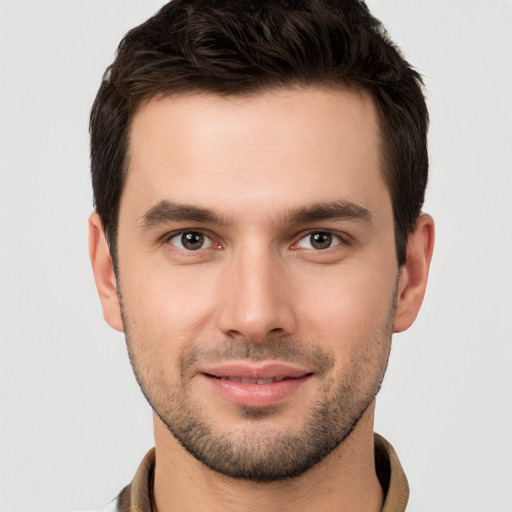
column 257, row 302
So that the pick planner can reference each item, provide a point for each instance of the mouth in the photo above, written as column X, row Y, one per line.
column 250, row 381
column 256, row 386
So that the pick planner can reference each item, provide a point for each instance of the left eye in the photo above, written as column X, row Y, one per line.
column 190, row 241
column 319, row 241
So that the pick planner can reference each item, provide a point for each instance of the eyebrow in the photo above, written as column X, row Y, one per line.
column 167, row 211
column 334, row 210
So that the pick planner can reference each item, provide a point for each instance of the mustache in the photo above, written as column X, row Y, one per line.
column 274, row 349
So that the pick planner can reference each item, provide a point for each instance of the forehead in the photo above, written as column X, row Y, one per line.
column 278, row 148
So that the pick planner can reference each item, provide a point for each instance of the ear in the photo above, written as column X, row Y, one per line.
column 414, row 274
column 103, row 271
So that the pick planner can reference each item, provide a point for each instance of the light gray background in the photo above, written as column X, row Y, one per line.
column 74, row 425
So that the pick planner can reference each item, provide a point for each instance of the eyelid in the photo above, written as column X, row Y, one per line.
column 344, row 239
column 166, row 239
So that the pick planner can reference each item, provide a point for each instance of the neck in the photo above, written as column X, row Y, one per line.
column 344, row 480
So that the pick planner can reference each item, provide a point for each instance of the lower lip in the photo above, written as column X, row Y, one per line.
column 256, row 395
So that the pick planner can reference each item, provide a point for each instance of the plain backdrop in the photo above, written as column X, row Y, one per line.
column 74, row 425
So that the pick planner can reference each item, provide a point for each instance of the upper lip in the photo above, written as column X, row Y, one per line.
column 255, row 372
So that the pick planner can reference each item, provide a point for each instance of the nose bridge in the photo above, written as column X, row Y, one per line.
column 255, row 305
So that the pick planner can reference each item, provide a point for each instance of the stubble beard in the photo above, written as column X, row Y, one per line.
column 259, row 452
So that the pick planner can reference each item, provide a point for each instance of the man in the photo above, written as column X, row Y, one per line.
column 259, row 169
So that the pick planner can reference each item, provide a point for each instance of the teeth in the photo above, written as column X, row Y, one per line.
column 253, row 381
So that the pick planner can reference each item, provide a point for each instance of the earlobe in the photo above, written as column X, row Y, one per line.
column 104, row 273
column 414, row 274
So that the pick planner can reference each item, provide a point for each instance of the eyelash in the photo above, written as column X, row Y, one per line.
column 207, row 238
column 338, row 238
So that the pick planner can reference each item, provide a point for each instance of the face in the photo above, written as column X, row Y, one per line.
column 257, row 273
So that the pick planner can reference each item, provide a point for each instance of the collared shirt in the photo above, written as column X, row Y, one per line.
column 136, row 497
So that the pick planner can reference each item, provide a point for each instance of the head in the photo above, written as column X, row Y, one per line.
column 241, row 47
column 258, row 171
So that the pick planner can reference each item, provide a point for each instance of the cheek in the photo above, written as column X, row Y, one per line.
column 169, row 305
column 161, row 319
column 347, row 307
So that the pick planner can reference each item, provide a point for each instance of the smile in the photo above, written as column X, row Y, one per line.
column 251, row 381
column 256, row 386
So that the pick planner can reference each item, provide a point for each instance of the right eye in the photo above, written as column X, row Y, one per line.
column 190, row 241
column 319, row 241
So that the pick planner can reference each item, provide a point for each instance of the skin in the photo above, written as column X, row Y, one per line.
column 260, row 164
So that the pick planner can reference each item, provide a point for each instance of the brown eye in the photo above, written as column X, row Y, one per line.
column 190, row 241
column 319, row 241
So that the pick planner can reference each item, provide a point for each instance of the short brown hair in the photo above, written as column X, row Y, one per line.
column 245, row 46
